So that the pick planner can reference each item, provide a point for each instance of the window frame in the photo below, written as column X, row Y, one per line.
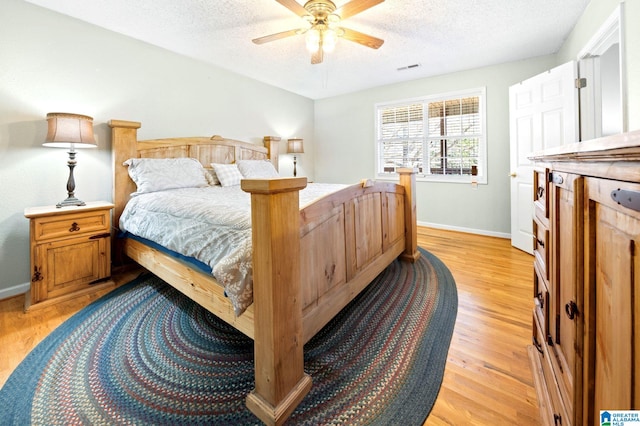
column 480, row 178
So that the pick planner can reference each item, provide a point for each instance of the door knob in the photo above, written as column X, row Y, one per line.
column 513, row 174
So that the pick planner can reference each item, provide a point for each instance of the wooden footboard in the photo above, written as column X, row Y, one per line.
column 346, row 240
column 307, row 264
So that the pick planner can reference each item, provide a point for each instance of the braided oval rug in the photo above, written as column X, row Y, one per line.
column 146, row 354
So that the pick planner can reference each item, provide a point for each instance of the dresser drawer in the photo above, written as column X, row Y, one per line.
column 71, row 225
column 541, row 247
column 540, row 298
column 555, row 412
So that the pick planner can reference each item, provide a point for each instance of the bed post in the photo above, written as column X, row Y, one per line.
column 278, row 335
column 408, row 180
column 272, row 143
column 124, row 138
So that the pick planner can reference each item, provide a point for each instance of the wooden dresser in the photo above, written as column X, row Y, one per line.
column 585, row 354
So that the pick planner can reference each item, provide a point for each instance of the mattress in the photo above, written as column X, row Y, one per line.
column 210, row 224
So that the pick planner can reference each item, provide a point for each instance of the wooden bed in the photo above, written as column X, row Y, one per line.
column 307, row 264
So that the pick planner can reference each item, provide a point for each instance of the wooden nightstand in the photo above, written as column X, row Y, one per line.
column 70, row 251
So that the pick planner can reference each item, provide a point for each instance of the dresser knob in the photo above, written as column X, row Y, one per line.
column 571, row 309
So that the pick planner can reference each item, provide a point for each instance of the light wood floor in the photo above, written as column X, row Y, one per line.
column 487, row 380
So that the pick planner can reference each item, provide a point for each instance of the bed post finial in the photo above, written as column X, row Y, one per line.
column 408, row 180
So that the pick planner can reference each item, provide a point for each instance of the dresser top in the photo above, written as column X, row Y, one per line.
column 623, row 146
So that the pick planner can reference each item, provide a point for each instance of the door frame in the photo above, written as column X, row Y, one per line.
column 609, row 33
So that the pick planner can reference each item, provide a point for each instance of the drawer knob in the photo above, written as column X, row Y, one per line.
column 540, row 191
column 74, row 227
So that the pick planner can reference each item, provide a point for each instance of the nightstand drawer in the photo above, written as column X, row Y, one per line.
column 71, row 225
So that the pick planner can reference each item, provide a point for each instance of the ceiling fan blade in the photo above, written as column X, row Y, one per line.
column 364, row 39
column 354, row 7
column 294, row 6
column 317, row 56
column 276, row 36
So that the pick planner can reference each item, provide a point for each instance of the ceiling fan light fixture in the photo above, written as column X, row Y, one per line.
column 321, row 25
column 329, row 39
column 312, row 39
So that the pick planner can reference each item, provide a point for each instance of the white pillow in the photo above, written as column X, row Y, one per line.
column 227, row 174
column 252, row 169
column 158, row 174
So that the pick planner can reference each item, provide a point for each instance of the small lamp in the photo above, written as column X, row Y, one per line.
column 70, row 131
column 294, row 146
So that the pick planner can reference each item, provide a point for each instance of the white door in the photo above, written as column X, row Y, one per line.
column 543, row 113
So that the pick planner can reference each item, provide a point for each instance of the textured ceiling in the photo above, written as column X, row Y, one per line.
column 441, row 36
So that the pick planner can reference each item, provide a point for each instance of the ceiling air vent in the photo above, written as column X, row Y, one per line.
column 409, row 67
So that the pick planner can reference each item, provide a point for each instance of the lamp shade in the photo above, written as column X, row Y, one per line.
column 294, row 146
column 69, row 130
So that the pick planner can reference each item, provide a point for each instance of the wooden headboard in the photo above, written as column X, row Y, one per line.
column 207, row 150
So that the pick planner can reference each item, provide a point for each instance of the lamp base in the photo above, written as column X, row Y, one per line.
column 71, row 184
column 70, row 201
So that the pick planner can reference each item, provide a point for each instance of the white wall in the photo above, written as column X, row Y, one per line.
column 344, row 143
column 49, row 62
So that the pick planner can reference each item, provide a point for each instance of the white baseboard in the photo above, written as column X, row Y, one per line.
column 467, row 230
column 17, row 290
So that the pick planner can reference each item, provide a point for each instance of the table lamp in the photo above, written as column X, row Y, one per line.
column 70, row 131
column 294, row 146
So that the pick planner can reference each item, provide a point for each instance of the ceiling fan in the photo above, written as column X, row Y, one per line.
column 322, row 29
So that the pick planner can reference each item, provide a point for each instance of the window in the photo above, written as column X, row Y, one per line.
column 442, row 136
